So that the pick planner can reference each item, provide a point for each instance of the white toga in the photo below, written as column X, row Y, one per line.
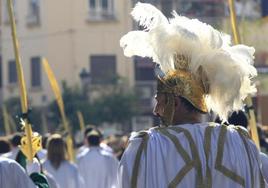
column 191, row 155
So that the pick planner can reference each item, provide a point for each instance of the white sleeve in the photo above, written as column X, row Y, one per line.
column 19, row 176
column 264, row 167
column 126, row 164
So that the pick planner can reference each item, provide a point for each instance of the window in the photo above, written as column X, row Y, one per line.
column 144, row 69
column 104, row 4
column 103, row 69
column 101, row 9
column 92, row 3
column 12, row 72
column 202, row 9
column 36, row 72
column 264, row 8
column 33, row 16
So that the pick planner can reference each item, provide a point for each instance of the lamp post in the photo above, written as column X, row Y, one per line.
column 85, row 80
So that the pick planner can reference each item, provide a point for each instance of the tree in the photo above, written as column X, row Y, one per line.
column 115, row 107
column 74, row 100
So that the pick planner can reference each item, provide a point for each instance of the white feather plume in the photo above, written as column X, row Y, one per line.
column 148, row 16
column 229, row 69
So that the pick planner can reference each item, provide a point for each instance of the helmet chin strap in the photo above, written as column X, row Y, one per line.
column 169, row 110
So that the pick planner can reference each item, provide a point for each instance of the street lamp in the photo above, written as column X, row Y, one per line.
column 85, row 80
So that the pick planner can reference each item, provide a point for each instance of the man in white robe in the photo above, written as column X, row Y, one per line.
column 264, row 160
column 84, row 148
column 97, row 166
column 199, row 71
column 12, row 175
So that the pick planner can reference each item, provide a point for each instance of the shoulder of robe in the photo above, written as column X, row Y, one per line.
column 242, row 130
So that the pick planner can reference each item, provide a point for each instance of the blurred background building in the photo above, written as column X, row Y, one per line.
column 73, row 36
column 80, row 39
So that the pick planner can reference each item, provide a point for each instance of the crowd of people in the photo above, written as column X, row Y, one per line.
column 96, row 160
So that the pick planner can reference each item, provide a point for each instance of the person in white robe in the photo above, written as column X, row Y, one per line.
column 264, row 160
column 12, row 175
column 15, row 142
column 84, row 148
column 65, row 173
column 51, row 181
column 198, row 71
column 97, row 166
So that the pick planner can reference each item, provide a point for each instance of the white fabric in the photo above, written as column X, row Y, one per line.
column 42, row 154
column 81, row 151
column 162, row 161
column 12, row 154
column 264, row 161
column 84, row 149
column 51, row 181
column 12, row 175
column 66, row 175
column 98, row 168
column 32, row 167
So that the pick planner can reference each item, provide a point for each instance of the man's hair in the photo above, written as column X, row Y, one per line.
column 94, row 137
column 189, row 106
column 15, row 139
column 236, row 118
column 4, row 146
column 93, row 140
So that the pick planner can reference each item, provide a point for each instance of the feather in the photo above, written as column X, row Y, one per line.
column 136, row 43
column 228, row 69
column 148, row 16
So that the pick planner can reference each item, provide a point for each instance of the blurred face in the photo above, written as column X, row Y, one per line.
column 160, row 104
column 179, row 114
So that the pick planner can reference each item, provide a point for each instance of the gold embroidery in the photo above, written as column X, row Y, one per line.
column 241, row 134
column 180, row 175
column 135, row 171
column 189, row 164
column 195, row 161
column 195, row 154
column 218, row 165
column 177, row 144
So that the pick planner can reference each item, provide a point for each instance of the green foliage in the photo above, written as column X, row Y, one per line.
column 114, row 107
column 73, row 100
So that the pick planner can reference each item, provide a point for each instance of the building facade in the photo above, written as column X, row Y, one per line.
column 73, row 36
column 81, row 38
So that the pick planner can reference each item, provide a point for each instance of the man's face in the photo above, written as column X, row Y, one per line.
column 160, row 105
